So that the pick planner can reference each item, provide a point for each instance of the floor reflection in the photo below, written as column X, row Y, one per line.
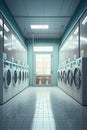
column 44, row 108
column 43, row 118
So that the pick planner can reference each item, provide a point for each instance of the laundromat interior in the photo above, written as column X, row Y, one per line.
column 43, row 64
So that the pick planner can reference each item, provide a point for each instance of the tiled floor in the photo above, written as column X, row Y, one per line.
column 43, row 109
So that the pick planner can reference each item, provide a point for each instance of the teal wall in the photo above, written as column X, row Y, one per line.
column 43, row 42
column 82, row 6
column 7, row 14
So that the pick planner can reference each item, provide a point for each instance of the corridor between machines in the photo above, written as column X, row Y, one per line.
column 43, row 64
column 46, row 108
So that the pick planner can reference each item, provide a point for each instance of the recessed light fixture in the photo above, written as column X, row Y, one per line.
column 84, row 21
column 39, row 26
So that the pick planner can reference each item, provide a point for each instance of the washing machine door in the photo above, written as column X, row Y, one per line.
column 70, row 77
column 23, row 75
column 7, row 78
column 77, row 78
column 19, row 77
column 27, row 75
column 61, row 76
column 15, row 78
column 65, row 76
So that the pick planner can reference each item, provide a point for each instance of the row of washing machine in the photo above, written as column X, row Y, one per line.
column 72, row 79
column 13, row 79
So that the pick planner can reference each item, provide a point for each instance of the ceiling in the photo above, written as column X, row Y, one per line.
column 55, row 13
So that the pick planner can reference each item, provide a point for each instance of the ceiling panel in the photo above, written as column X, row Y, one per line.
column 56, row 26
column 55, row 13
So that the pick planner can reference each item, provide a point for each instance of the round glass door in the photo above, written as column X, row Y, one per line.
column 77, row 77
column 15, row 76
column 70, row 77
column 8, row 77
column 65, row 77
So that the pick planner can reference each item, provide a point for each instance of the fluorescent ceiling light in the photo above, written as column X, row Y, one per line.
column 76, row 31
column 6, row 28
column 39, row 26
column 84, row 21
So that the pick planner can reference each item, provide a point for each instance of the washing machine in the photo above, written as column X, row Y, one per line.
column 25, row 84
column 65, row 77
column 78, row 85
column 7, row 80
column 1, row 78
column 70, row 79
column 15, row 78
column 23, row 80
column 80, row 80
column 27, row 75
column 19, row 77
column 60, row 76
